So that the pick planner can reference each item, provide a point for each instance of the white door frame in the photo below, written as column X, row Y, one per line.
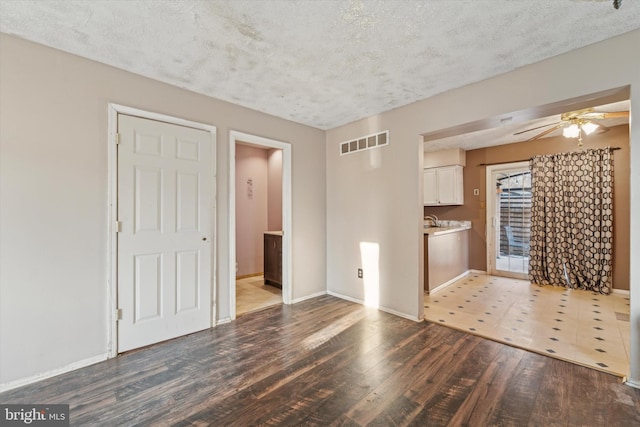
column 234, row 138
column 490, row 189
column 112, row 215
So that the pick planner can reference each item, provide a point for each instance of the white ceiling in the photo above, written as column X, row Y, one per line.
column 322, row 63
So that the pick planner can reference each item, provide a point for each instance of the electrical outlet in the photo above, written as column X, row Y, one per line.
column 359, row 273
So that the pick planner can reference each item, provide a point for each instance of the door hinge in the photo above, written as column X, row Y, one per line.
column 118, row 226
column 117, row 138
column 118, row 314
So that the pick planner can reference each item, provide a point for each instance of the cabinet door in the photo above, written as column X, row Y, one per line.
column 270, row 260
column 448, row 258
column 278, row 262
column 450, row 185
column 273, row 259
column 430, row 187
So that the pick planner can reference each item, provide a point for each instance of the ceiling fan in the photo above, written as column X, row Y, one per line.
column 574, row 124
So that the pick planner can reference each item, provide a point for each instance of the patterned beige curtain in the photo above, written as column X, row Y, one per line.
column 572, row 220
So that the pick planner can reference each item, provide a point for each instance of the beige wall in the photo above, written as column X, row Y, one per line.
column 380, row 199
column 54, row 202
column 475, row 177
column 251, row 208
column 260, row 212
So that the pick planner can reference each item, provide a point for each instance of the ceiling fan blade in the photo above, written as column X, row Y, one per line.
column 616, row 114
column 537, row 127
column 605, row 115
column 546, row 132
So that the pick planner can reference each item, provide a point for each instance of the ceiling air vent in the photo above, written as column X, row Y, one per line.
column 365, row 143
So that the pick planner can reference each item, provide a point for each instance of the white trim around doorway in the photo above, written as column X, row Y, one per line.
column 287, row 289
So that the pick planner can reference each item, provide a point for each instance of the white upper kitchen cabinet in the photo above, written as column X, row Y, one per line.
column 430, row 187
column 443, row 186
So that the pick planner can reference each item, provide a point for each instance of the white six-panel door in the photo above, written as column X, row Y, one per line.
column 165, row 238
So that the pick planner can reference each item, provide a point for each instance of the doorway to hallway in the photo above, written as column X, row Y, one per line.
column 244, row 188
column 258, row 198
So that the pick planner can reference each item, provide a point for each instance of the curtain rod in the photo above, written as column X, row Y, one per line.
column 524, row 160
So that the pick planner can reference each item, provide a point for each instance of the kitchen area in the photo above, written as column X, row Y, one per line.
column 472, row 229
column 446, row 241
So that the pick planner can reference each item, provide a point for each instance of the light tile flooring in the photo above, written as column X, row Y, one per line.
column 579, row 326
column 253, row 294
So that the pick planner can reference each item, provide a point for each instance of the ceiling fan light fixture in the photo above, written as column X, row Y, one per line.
column 589, row 127
column 571, row 131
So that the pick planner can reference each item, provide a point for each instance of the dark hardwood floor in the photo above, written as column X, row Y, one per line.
column 331, row 362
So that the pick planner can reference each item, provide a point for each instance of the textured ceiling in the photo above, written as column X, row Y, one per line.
column 320, row 63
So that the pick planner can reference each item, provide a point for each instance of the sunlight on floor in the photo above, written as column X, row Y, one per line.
column 332, row 330
column 578, row 326
column 370, row 254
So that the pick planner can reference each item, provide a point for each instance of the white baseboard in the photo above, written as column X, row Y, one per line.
column 620, row 291
column 345, row 297
column 385, row 309
column 223, row 321
column 55, row 372
column 317, row 294
column 447, row 283
column 399, row 314
column 477, row 272
column 634, row 384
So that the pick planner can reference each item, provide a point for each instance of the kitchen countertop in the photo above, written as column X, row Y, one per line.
column 274, row 233
column 447, row 227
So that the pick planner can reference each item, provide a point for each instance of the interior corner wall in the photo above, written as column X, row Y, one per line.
column 54, row 203
column 251, row 208
column 375, row 196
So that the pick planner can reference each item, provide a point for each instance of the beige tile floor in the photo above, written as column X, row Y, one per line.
column 579, row 326
column 253, row 294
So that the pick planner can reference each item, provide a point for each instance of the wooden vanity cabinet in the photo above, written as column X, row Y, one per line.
column 273, row 259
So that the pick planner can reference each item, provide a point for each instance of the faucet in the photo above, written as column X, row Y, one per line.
column 434, row 219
